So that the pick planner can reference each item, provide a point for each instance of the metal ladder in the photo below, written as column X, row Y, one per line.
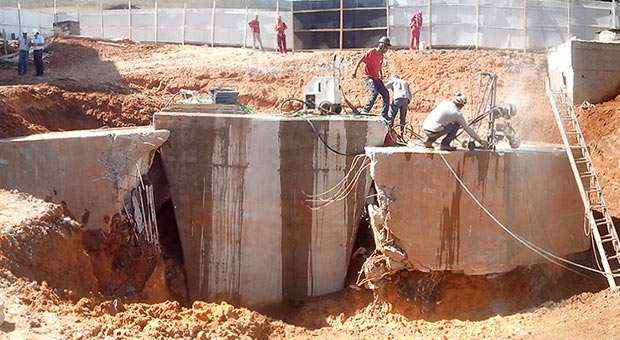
column 602, row 229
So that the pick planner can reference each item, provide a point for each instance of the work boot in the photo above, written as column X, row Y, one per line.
column 428, row 144
column 447, row 148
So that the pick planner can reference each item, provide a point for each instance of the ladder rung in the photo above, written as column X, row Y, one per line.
column 601, row 224
column 600, row 220
column 582, row 161
column 596, row 206
column 594, row 191
column 586, row 175
column 614, row 257
column 607, row 238
column 577, row 147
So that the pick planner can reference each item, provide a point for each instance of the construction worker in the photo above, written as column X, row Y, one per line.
column 401, row 95
column 24, row 51
column 281, row 34
column 373, row 77
column 416, row 26
column 38, row 44
column 446, row 119
column 255, row 26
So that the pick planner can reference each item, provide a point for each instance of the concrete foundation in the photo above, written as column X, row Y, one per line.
column 240, row 186
column 91, row 172
column 590, row 70
column 439, row 227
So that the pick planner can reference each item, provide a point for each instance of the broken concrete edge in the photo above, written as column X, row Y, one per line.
column 96, row 174
column 390, row 257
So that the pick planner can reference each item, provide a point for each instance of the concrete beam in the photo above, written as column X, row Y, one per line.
column 240, row 186
column 90, row 172
column 439, row 227
column 590, row 70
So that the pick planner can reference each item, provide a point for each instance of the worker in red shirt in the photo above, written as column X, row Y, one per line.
column 255, row 26
column 281, row 32
column 416, row 26
column 373, row 77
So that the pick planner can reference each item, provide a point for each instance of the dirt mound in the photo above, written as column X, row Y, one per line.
column 37, row 242
column 32, row 109
column 601, row 125
column 47, row 275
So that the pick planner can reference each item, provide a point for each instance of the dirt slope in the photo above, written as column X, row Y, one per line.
column 91, row 84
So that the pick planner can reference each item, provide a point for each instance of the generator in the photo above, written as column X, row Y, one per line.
column 322, row 93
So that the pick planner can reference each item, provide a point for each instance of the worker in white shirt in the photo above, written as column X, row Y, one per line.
column 24, row 51
column 446, row 119
column 38, row 44
column 401, row 95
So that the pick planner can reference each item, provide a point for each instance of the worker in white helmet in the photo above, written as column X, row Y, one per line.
column 446, row 120
column 38, row 44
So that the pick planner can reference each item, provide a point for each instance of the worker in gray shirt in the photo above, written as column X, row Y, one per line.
column 446, row 119
column 401, row 98
column 24, row 51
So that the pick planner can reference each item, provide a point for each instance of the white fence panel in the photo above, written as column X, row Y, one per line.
column 514, row 24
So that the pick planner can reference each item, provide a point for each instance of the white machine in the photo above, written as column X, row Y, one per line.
column 323, row 94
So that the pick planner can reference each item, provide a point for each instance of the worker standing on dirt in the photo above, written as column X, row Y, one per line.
column 38, row 46
column 255, row 26
column 416, row 26
column 373, row 77
column 446, row 119
column 24, row 51
column 281, row 34
column 401, row 95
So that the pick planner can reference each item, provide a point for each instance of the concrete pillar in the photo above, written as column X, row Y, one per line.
column 240, row 186
column 531, row 190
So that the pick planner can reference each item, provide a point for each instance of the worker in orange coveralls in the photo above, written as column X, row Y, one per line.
column 281, row 32
column 416, row 26
column 255, row 26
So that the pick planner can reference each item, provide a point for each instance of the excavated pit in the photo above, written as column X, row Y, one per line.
column 91, row 91
column 116, row 266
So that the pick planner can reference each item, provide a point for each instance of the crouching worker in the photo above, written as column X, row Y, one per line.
column 446, row 119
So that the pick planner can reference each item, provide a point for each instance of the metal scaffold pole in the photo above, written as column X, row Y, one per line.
column 525, row 34
column 614, row 19
column 387, row 17
column 430, row 24
column 477, row 24
column 156, row 21
column 55, row 14
column 568, row 20
column 341, row 23
column 19, row 17
column 77, row 11
column 101, row 19
column 213, row 24
column 245, row 27
column 129, row 15
column 184, row 23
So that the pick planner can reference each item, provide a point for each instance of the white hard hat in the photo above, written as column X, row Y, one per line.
column 35, row 31
column 460, row 99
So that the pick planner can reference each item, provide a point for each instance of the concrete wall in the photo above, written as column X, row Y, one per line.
column 239, row 184
column 440, row 227
column 589, row 69
column 91, row 171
